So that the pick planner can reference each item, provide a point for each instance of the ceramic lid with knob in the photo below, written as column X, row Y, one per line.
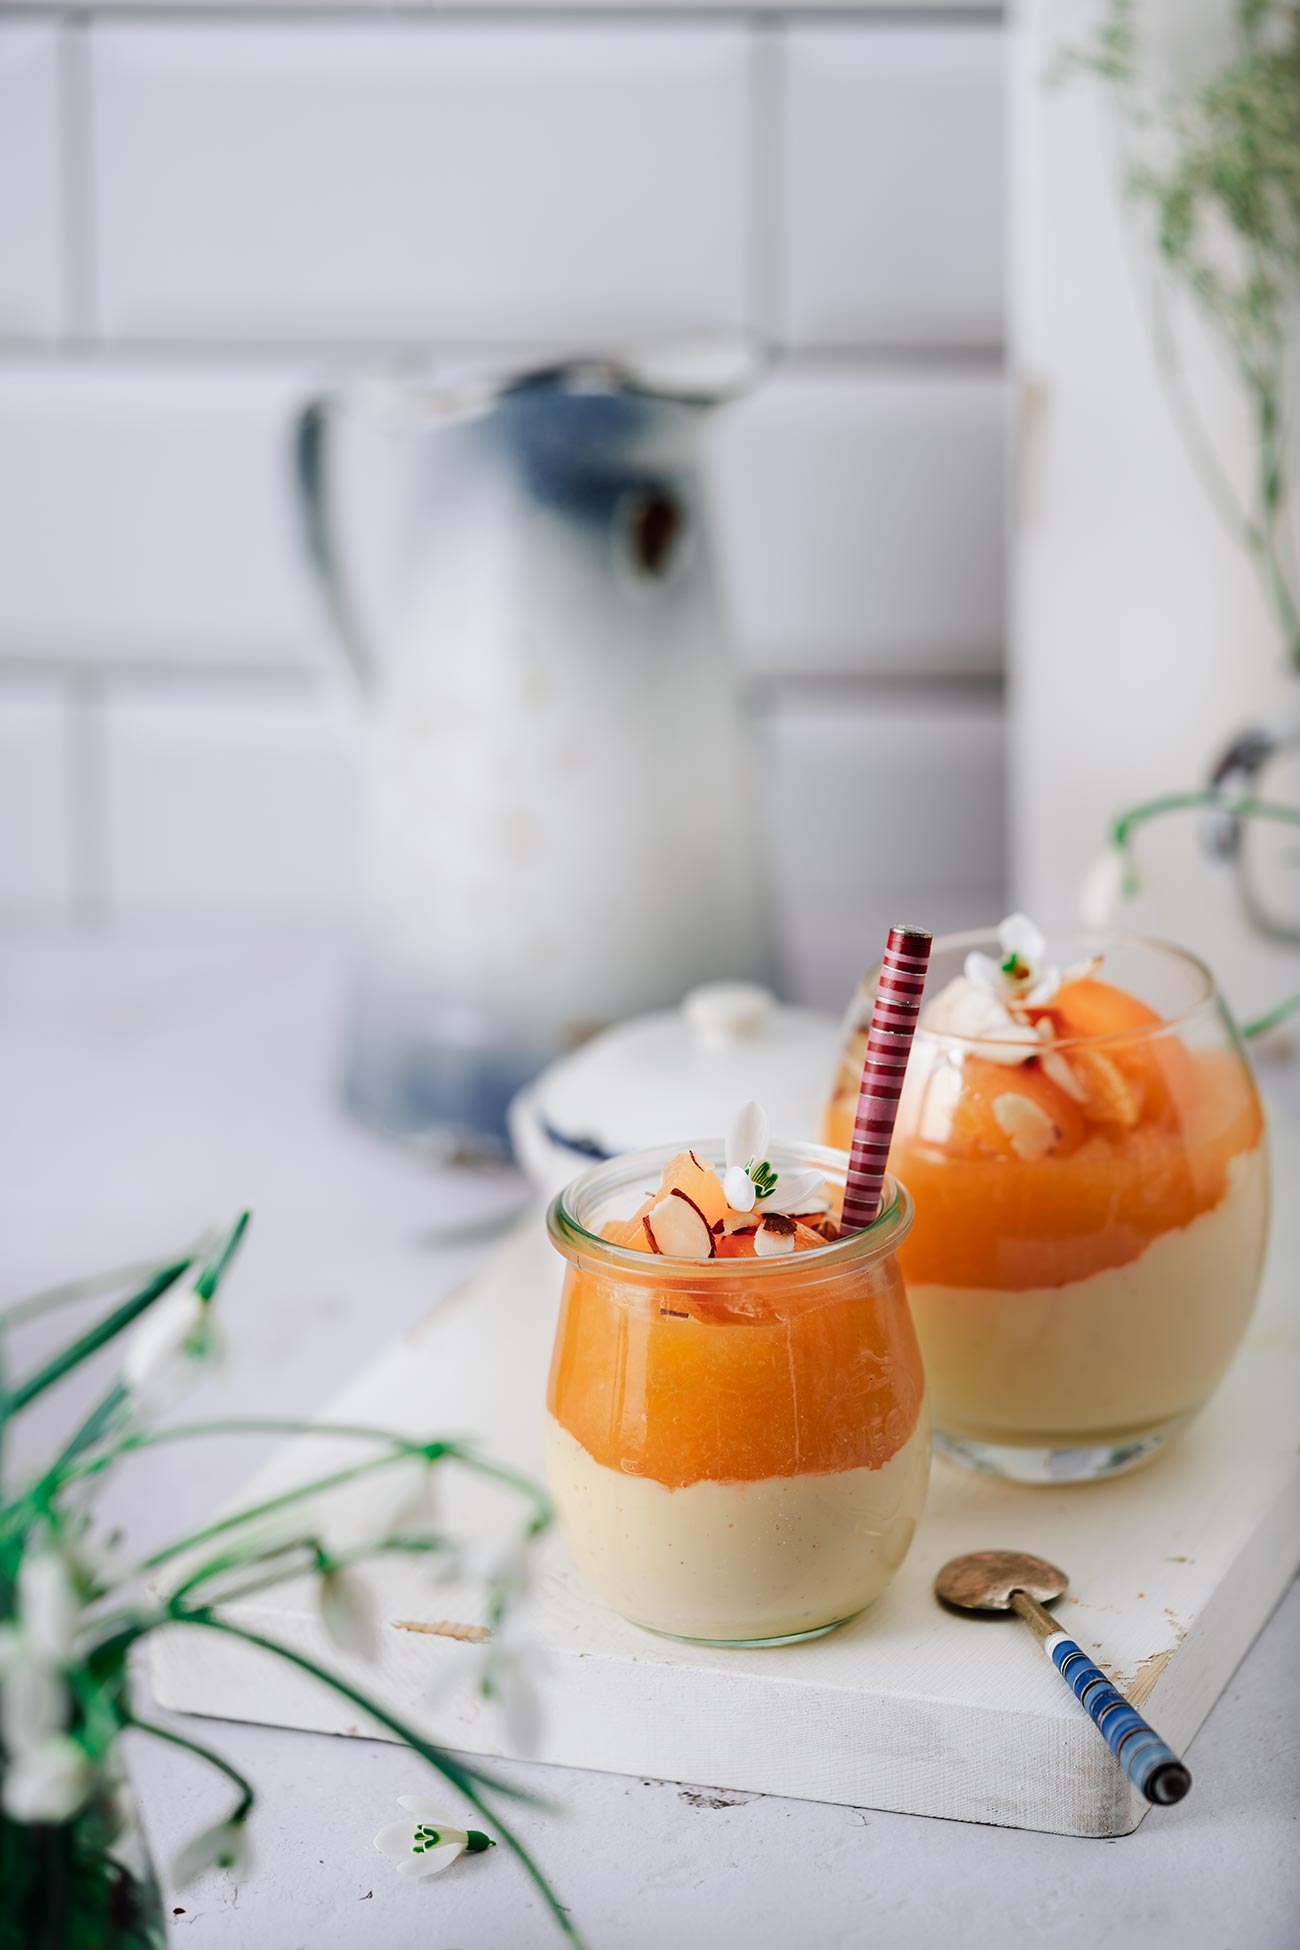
column 675, row 1076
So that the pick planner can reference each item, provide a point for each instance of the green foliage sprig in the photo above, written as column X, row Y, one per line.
column 1215, row 166
column 70, row 1619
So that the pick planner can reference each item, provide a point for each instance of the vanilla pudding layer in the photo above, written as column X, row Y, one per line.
column 1120, row 1353
column 739, row 1560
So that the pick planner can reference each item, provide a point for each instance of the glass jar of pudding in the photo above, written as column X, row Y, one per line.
column 737, row 1448
column 1091, row 1193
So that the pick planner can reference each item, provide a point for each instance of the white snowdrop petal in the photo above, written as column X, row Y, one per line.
column 33, row 1701
column 166, row 1349
column 748, row 1138
column 47, row 1601
column 225, row 1845
column 431, row 1863
column 1022, row 938
column 347, row 1613
column 738, row 1189
column 47, row 1782
column 798, row 1191
column 982, row 971
column 395, row 1838
column 1104, row 887
column 430, row 1814
column 441, row 1857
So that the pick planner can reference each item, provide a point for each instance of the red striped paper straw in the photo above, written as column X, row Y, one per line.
column 889, row 1040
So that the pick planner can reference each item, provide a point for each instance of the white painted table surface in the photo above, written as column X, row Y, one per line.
column 149, row 1085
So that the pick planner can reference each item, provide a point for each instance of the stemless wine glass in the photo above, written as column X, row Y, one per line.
column 1080, row 1278
column 738, row 1449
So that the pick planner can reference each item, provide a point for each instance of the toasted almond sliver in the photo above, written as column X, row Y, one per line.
column 1109, row 1097
column 679, row 1229
column 1057, row 1070
column 1030, row 1129
column 770, row 1241
column 445, row 1628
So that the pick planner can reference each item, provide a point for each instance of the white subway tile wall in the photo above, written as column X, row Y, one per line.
column 482, row 184
column 893, row 186
column 220, row 806
column 146, row 515
column 207, row 212
column 862, row 522
column 35, row 800
column 31, row 182
column 919, row 787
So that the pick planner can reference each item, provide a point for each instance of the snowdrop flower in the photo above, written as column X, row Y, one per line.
column 48, row 1604
column 33, row 1694
column 969, row 1010
column 347, row 1614
column 429, row 1842
column 1020, row 975
column 34, row 1699
column 176, row 1331
column 223, row 1846
column 515, row 1662
column 750, row 1180
column 1108, row 881
column 47, row 1781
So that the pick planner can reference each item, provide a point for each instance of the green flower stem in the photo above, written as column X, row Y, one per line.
column 96, row 1425
column 247, row 1793
column 4, row 1409
column 117, row 1400
column 215, row 1271
column 318, row 1559
column 237, row 1559
column 1209, row 800
column 255, row 1425
column 68, row 1292
column 257, row 1511
column 459, row 1776
column 97, row 1336
column 1259, row 1025
column 1205, row 800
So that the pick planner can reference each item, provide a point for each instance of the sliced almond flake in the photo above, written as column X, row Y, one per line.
column 1030, row 1129
column 445, row 1628
column 1057, row 1070
column 679, row 1229
column 778, row 1222
column 1110, row 1098
column 771, row 1240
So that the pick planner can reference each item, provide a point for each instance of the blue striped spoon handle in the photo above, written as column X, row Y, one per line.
column 1154, row 1768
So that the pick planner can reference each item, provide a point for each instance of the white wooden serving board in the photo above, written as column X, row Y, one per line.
column 1173, row 1570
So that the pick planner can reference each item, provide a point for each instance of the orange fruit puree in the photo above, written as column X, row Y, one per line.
column 687, row 1378
column 1140, row 1145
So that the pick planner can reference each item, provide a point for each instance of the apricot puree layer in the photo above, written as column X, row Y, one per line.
column 1041, row 1173
column 1007, row 1222
column 737, row 1380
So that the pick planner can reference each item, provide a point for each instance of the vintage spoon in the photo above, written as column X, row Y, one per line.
column 1014, row 1581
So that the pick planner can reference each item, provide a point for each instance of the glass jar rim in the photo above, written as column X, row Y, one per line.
column 977, row 938
column 578, row 1243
